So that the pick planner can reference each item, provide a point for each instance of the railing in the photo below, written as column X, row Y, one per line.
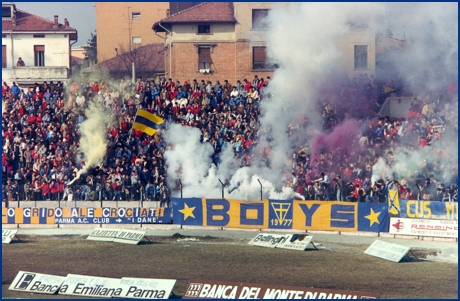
column 23, row 73
column 82, row 193
column 85, row 193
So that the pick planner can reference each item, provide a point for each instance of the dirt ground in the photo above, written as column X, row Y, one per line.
column 337, row 266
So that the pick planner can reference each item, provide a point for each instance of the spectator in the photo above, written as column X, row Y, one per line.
column 20, row 63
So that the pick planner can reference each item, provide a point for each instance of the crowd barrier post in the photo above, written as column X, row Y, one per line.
column 261, row 189
column 223, row 188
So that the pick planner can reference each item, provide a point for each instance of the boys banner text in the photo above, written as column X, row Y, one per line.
column 281, row 214
column 101, row 215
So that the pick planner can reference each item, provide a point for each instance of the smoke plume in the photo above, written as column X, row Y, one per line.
column 93, row 138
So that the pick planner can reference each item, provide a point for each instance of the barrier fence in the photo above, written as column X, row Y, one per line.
column 230, row 213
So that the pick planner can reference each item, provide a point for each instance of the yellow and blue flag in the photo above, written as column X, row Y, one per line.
column 373, row 217
column 147, row 122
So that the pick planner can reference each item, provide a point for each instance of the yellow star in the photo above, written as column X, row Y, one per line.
column 373, row 217
column 187, row 211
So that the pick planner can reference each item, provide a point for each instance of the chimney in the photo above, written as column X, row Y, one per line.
column 168, row 13
column 56, row 23
column 66, row 23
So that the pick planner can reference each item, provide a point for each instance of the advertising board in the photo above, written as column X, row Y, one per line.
column 132, row 237
column 386, row 250
column 90, row 286
column 232, row 290
column 424, row 227
column 144, row 288
column 103, row 234
column 8, row 235
column 268, row 240
column 299, row 242
column 36, row 283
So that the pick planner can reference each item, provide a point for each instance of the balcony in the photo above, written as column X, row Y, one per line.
column 39, row 73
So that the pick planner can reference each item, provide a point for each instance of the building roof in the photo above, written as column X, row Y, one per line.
column 29, row 22
column 388, row 43
column 204, row 12
column 148, row 58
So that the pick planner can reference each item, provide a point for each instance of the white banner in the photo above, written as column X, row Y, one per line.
column 424, row 227
column 90, row 286
column 269, row 240
column 132, row 237
column 298, row 242
column 103, row 234
column 36, row 283
column 386, row 250
column 8, row 235
column 143, row 288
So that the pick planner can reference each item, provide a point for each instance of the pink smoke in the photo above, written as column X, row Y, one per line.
column 344, row 136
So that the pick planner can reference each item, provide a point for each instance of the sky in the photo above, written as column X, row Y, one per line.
column 81, row 15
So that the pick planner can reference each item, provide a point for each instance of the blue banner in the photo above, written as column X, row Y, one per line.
column 428, row 210
column 220, row 213
column 280, row 214
column 373, row 217
column 187, row 211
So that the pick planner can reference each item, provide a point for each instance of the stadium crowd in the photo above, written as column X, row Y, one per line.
column 41, row 155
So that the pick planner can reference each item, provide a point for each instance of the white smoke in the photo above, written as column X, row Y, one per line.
column 191, row 162
column 303, row 39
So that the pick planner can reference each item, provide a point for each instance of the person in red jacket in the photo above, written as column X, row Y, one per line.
column 32, row 119
column 45, row 188
column 172, row 94
column 95, row 88
column 5, row 90
column 196, row 94
column 54, row 188
column 247, row 85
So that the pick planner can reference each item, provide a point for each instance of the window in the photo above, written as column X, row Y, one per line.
column 137, row 40
column 360, row 56
column 136, row 15
column 203, row 29
column 39, row 35
column 259, row 57
column 204, row 58
column 258, row 16
column 3, row 36
column 4, row 63
column 39, row 55
column 6, row 12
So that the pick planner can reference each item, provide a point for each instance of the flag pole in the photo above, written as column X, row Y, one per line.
column 131, row 130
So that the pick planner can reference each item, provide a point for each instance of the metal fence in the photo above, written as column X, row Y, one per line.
column 82, row 193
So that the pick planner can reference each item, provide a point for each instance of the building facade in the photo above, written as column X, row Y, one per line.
column 124, row 26
column 43, row 45
column 216, row 40
column 226, row 40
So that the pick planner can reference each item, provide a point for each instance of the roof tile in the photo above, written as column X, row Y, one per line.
column 29, row 22
column 150, row 57
column 204, row 12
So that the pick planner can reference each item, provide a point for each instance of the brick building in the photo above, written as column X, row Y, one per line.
column 216, row 40
column 226, row 40
column 124, row 26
